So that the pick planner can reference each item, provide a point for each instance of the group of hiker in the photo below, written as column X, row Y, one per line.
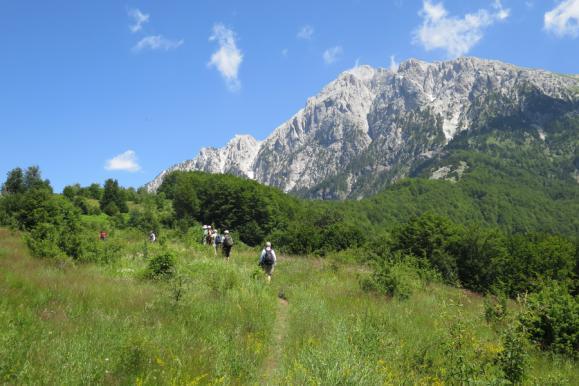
column 224, row 242
column 218, row 241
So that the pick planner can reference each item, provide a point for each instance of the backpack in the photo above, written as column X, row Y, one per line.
column 228, row 241
column 268, row 258
column 219, row 239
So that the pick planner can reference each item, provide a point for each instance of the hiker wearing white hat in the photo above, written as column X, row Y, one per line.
column 267, row 260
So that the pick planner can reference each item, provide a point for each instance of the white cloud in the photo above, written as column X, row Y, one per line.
column 332, row 54
column 228, row 58
column 434, row 11
column 156, row 42
column 306, row 32
column 139, row 19
column 563, row 20
column 454, row 35
column 126, row 161
column 501, row 14
column 393, row 64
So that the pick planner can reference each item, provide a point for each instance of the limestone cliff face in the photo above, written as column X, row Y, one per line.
column 237, row 157
column 373, row 122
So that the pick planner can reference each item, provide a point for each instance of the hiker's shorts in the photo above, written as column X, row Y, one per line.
column 268, row 269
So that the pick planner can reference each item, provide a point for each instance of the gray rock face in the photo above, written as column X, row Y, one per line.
column 373, row 121
column 237, row 157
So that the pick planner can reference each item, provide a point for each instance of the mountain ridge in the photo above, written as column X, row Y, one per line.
column 378, row 123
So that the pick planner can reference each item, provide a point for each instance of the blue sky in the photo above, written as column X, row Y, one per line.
column 91, row 90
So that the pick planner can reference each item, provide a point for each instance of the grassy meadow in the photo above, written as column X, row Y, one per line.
column 219, row 322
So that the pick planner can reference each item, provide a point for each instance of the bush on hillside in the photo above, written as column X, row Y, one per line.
column 101, row 252
column 478, row 253
column 113, row 199
column 394, row 279
column 513, row 360
column 320, row 232
column 146, row 220
column 53, row 223
column 86, row 207
column 161, row 267
column 43, row 241
column 495, row 307
column 110, row 209
column 551, row 318
column 430, row 238
column 532, row 260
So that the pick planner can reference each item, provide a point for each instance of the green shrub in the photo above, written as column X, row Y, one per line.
column 144, row 220
column 54, row 225
column 552, row 319
column 102, row 252
column 461, row 364
column 113, row 199
column 477, row 251
column 495, row 307
column 110, row 209
column 430, row 238
column 43, row 241
column 161, row 266
column 398, row 279
column 513, row 359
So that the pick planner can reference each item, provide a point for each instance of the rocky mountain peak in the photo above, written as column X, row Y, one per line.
column 374, row 121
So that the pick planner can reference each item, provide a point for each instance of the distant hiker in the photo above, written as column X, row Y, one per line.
column 267, row 260
column 218, row 241
column 103, row 235
column 152, row 237
column 209, row 236
column 227, row 244
column 205, row 231
column 210, row 239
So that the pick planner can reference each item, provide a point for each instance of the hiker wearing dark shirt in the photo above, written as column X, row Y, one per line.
column 227, row 244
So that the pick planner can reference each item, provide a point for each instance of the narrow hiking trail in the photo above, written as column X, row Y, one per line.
column 280, row 326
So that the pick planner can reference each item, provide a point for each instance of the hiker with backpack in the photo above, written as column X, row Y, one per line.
column 218, row 242
column 227, row 244
column 267, row 260
column 209, row 236
column 212, row 239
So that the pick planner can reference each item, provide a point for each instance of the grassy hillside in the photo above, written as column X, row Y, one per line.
column 218, row 322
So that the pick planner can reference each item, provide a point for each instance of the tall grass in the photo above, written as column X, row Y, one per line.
column 72, row 325
column 215, row 322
